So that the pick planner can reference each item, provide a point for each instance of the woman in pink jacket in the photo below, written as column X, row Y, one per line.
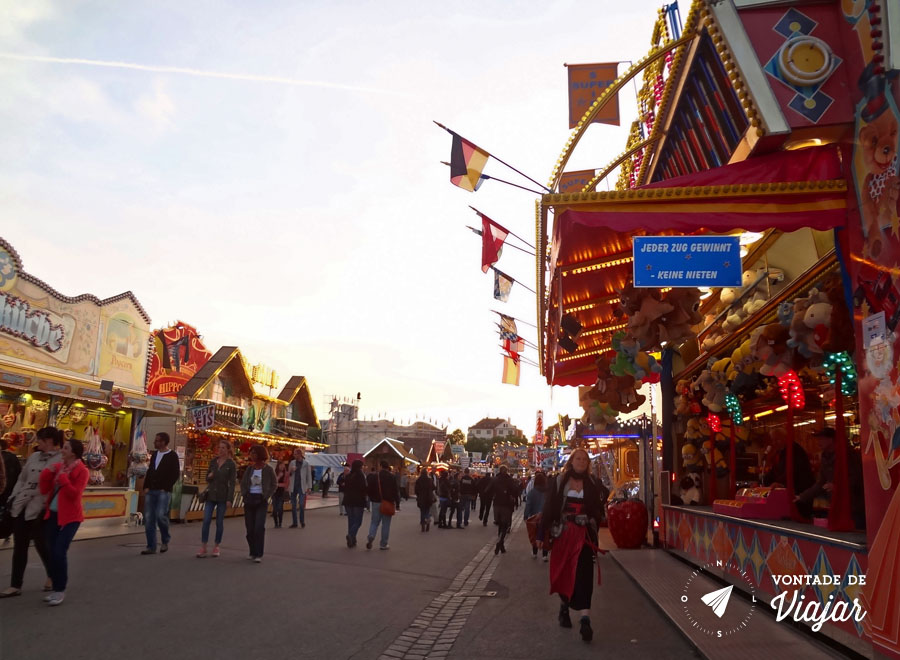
column 64, row 483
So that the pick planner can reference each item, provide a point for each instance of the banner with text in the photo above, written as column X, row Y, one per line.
column 687, row 261
column 586, row 84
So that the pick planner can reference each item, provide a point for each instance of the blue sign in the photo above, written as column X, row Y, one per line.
column 687, row 261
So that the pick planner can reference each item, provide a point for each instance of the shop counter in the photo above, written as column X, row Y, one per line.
column 761, row 549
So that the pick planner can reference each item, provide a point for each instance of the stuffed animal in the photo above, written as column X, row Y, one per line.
column 840, row 328
column 692, row 459
column 677, row 324
column 743, row 372
column 769, row 345
column 714, row 383
column 645, row 310
column 689, row 488
column 785, row 313
column 801, row 335
column 712, row 454
column 683, row 397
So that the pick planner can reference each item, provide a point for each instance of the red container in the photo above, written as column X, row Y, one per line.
column 628, row 523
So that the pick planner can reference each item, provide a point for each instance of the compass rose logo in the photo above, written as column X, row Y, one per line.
column 712, row 611
column 718, row 600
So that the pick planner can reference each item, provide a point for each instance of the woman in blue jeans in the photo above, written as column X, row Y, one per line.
column 219, row 492
column 354, row 500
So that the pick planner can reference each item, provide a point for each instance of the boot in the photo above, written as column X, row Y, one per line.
column 587, row 633
column 564, row 620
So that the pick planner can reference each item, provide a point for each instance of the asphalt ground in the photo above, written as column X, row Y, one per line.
column 312, row 597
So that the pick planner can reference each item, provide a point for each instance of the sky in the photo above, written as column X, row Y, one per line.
column 270, row 173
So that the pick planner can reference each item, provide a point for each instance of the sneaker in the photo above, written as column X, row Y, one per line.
column 215, row 551
column 148, row 551
column 57, row 598
column 251, row 557
column 163, row 548
column 257, row 560
column 369, row 543
column 384, row 547
column 546, row 558
column 49, row 597
column 564, row 620
column 587, row 633
column 202, row 553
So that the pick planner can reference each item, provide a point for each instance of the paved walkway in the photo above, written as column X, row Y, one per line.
column 441, row 594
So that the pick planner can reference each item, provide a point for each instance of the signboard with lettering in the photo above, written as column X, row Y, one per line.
column 539, row 429
column 203, row 416
column 687, row 261
column 81, row 336
column 178, row 354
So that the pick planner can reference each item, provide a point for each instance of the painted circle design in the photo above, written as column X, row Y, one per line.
column 804, row 60
column 736, row 616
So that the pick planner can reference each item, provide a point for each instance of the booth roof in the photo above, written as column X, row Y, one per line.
column 590, row 259
column 397, row 447
column 327, row 460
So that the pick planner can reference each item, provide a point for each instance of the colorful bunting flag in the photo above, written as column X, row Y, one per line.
column 466, row 163
column 508, row 329
column 502, row 285
column 514, row 346
column 510, row 371
column 492, row 238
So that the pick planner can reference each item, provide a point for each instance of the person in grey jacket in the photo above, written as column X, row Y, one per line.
column 26, row 506
column 301, row 486
column 220, row 480
column 257, row 486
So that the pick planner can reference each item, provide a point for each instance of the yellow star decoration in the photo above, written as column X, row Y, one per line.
column 864, row 308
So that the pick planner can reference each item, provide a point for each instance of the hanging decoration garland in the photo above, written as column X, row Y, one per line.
column 733, row 406
column 842, row 361
column 792, row 390
column 715, row 424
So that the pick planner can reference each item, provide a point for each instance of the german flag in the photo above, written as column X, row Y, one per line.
column 466, row 163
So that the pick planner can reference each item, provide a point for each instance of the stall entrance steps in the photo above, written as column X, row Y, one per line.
column 663, row 578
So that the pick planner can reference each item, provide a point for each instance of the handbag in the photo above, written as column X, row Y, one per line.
column 203, row 496
column 386, row 507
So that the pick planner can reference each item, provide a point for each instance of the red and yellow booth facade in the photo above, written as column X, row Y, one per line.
column 775, row 126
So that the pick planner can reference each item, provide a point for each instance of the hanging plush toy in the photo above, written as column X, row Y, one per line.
column 717, row 458
column 140, row 457
column 94, row 457
column 683, row 397
column 715, row 384
column 769, row 345
column 644, row 309
column 678, row 324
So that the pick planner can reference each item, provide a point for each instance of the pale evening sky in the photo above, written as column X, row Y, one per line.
column 269, row 172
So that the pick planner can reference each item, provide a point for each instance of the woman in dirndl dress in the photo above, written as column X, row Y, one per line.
column 573, row 509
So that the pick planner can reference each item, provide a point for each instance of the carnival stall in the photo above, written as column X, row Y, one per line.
column 223, row 404
column 77, row 363
column 750, row 241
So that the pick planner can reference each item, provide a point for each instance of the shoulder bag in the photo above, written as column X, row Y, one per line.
column 386, row 507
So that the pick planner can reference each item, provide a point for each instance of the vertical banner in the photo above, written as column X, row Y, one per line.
column 539, row 429
column 575, row 181
column 586, row 84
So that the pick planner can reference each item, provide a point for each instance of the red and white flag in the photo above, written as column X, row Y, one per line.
column 492, row 238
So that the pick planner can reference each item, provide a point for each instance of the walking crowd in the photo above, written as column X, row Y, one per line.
column 41, row 504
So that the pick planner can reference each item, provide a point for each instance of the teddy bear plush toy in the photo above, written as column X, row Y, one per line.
column 840, row 327
column 683, row 397
column 769, row 345
column 677, row 324
column 801, row 334
column 691, row 457
column 644, row 309
column 715, row 385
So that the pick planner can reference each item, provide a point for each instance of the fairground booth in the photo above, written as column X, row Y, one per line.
column 223, row 402
column 77, row 363
column 752, row 243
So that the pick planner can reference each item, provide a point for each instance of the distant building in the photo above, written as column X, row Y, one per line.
column 351, row 434
column 493, row 428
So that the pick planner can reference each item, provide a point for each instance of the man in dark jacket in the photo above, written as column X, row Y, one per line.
column 161, row 476
column 466, row 494
column 381, row 486
column 454, row 503
column 11, row 468
column 503, row 492
column 443, row 491
column 484, row 491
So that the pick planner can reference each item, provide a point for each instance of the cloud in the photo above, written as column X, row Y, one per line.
column 156, row 106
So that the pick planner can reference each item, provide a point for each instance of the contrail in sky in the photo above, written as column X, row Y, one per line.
column 194, row 72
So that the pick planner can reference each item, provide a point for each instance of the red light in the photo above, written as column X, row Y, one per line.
column 715, row 424
column 791, row 390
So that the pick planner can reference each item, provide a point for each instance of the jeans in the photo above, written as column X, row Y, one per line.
column 424, row 514
column 219, row 508
column 255, row 506
column 58, row 540
column 156, row 512
column 298, row 503
column 341, row 503
column 278, row 506
column 485, row 509
column 442, row 516
column 455, row 510
column 385, row 524
column 24, row 532
column 467, row 504
column 354, row 520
